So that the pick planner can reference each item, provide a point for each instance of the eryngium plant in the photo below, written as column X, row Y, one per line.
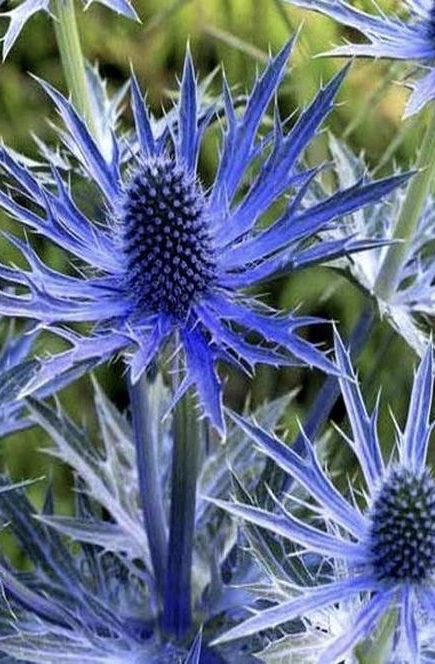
column 382, row 550
column 90, row 594
column 161, row 255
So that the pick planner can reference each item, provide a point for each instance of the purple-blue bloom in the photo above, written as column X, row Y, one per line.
column 169, row 255
column 409, row 37
column 383, row 541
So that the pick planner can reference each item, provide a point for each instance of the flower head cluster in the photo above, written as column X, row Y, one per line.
column 385, row 548
column 409, row 38
column 168, row 255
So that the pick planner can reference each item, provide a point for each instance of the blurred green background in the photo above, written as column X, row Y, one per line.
column 237, row 34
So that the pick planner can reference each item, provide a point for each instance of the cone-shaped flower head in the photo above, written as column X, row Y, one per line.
column 385, row 548
column 166, row 241
column 409, row 36
column 168, row 254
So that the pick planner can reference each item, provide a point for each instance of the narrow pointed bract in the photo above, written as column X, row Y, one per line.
column 168, row 256
column 393, row 36
column 382, row 553
column 90, row 593
column 411, row 301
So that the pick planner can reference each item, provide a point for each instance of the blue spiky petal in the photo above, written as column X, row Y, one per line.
column 389, row 36
column 171, row 256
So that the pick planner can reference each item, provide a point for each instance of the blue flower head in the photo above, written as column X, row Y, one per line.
column 384, row 549
column 409, row 38
column 169, row 255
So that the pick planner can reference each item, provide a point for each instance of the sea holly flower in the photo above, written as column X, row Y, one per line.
column 19, row 16
column 168, row 255
column 385, row 548
column 408, row 36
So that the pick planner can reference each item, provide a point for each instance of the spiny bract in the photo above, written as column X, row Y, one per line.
column 167, row 255
column 409, row 38
column 383, row 552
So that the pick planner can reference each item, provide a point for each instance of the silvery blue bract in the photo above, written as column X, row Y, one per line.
column 383, row 551
column 97, row 601
column 19, row 16
column 413, row 292
column 409, row 38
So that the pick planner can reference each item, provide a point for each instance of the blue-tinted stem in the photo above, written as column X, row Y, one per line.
column 177, row 617
column 330, row 390
column 149, row 475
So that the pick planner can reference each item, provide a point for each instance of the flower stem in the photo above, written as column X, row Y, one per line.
column 177, row 617
column 73, row 64
column 150, row 489
column 378, row 650
column 418, row 190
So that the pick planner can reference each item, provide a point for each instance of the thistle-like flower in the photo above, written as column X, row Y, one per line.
column 386, row 548
column 408, row 36
column 19, row 16
column 168, row 255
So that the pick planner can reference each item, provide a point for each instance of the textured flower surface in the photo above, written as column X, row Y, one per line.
column 169, row 255
column 385, row 548
column 409, row 36
column 19, row 16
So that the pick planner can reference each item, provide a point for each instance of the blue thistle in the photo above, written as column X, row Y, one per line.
column 170, row 256
column 409, row 39
column 385, row 550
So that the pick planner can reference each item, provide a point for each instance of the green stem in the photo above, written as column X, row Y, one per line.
column 418, row 190
column 68, row 40
column 379, row 650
